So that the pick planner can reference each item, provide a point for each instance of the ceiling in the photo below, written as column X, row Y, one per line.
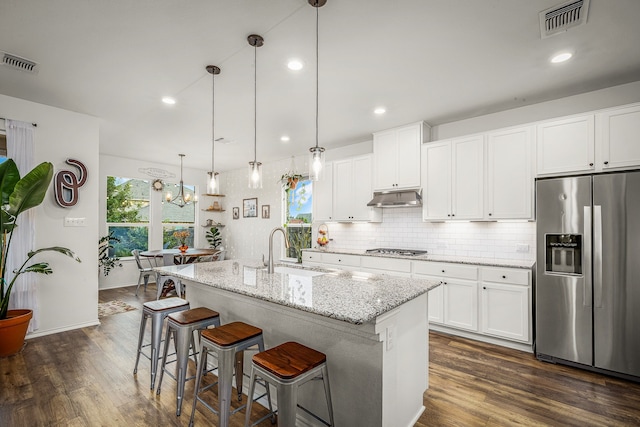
column 431, row 60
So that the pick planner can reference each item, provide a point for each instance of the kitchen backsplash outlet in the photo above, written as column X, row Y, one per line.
column 403, row 228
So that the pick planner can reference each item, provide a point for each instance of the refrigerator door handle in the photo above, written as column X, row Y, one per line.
column 586, row 295
column 597, row 255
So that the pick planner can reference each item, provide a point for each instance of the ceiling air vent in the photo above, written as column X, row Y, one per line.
column 18, row 63
column 560, row 18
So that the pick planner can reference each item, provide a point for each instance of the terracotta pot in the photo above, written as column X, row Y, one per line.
column 13, row 329
column 183, row 248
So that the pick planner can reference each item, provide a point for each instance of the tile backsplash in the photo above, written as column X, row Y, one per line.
column 403, row 228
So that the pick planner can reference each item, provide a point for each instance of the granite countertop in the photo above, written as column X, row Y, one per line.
column 354, row 297
column 488, row 262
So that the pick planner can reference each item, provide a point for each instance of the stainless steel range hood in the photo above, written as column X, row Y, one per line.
column 396, row 199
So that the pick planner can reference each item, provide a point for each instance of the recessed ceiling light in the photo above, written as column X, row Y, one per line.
column 380, row 110
column 561, row 57
column 284, row 138
column 168, row 100
column 295, row 65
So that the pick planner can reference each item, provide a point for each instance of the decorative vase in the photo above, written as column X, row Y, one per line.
column 183, row 248
column 13, row 329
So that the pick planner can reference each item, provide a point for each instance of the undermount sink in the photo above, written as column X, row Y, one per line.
column 297, row 271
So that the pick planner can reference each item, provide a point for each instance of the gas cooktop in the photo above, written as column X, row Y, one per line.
column 389, row 251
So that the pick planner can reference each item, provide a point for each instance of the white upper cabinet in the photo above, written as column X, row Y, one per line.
column 396, row 154
column 467, row 187
column 509, row 173
column 323, row 195
column 566, row 146
column 352, row 190
column 618, row 131
column 436, row 180
column 453, row 179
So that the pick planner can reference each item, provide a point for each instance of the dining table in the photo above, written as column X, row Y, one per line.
column 186, row 257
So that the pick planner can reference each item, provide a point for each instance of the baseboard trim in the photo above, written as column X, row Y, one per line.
column 39, row 333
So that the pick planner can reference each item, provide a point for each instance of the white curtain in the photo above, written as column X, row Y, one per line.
column 20, row 148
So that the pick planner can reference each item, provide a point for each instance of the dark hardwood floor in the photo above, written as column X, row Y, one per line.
column 84, row 378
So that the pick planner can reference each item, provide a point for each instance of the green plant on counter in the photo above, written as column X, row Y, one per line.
column 107, row 259
column 299, row 239
column 214, row 238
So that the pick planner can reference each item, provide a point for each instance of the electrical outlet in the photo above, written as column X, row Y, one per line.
column 391, row 337
column 522, row 248
column 74, row 222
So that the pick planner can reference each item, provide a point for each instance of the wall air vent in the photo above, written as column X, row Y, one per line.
column 560, row 18
column 18, row 63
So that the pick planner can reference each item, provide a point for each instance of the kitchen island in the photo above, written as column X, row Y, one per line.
column 373, row 329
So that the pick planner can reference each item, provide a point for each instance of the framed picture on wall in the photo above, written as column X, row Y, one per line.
column 236, row 213
column 250, row 208
column 266, row 211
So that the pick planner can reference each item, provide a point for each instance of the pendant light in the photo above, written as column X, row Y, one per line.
column 316, row 154
column 255, row 167
column 213, row 185
column 182, row 199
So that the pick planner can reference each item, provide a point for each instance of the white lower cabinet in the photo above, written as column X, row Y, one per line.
column 455, row 302
column 505, row 303
column 480, row 302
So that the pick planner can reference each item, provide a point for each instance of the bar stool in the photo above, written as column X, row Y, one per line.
column 182, row 325
column 227, row 341
column 287, row 367
column 157, row 311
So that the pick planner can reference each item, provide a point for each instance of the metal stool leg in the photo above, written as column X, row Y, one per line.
column 252, row 386
column 287, row 405
column 143, row 324
column 327, row 392
column 225, row 374
column 164, row 359
column 156, row 339
column 200, row 367
column 182, row 356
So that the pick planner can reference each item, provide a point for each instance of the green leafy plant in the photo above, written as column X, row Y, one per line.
column 105, row 249
column 290, row 180
column 213, row 237
column 299, row 239
column 17, row 196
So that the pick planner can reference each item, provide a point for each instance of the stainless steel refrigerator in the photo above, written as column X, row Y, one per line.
column 587, row 300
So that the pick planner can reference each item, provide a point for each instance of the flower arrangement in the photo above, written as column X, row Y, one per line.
column 182, row 235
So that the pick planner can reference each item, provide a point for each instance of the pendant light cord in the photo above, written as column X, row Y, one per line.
column 255, row 102
column 213, row 118
column 317, row 74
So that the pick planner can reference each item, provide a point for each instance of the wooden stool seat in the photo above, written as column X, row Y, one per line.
column 192, row 316
column 231, row 334
column 164, row 304
column 289, row 360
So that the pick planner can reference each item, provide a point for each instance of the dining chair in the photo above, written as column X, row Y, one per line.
column 145, row 272
column 164, row 281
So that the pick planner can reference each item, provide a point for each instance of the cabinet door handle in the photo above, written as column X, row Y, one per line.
column 489, row 213
column 504, row 277
column 484, row 287
column 606, row 163
column 453, row 214
column 448, row 214
column 443, row 271
column 590, row 164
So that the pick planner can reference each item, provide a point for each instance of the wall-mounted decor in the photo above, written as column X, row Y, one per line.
column 266, row 209
column 250, row 208
column 66, row 184
column 157, row 185
column 236, row 213
column 157, row 173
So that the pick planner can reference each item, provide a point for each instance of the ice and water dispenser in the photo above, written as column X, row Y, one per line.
column 564, row 253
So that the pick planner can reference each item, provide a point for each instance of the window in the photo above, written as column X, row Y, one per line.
column 298, row 217
column 128, row 214
column 176, row 218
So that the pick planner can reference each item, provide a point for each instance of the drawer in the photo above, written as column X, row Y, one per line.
column 311, row 256
column 505, row 275
column 445, row 269
column 391, row 264
column 341, row 259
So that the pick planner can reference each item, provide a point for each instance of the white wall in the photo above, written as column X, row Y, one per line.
column 68, row 298
column 133, row 168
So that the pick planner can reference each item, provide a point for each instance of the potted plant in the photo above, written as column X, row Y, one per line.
column 290, row 180
column 107, row 259
column 17, row 196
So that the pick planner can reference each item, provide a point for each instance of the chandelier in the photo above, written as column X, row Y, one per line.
column 182, row 199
